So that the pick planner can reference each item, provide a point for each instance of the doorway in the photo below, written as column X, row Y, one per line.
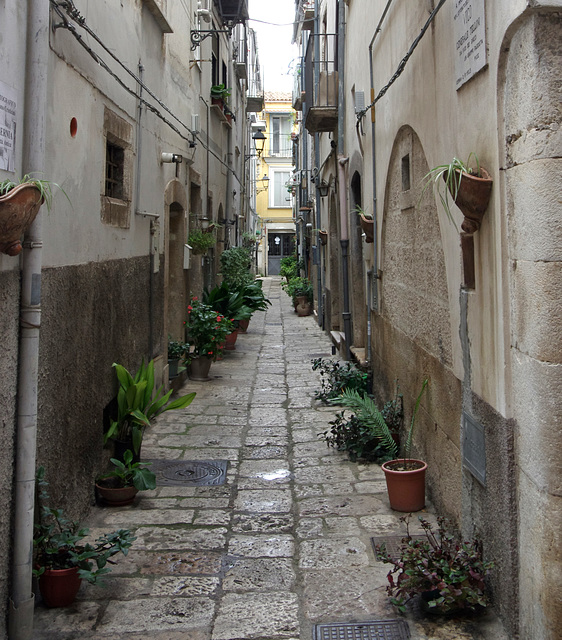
column 279, row 245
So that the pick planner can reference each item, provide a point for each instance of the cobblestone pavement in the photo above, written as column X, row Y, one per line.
column 283, row 545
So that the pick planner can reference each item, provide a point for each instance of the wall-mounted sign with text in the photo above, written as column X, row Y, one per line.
column 7, row 128
column 470, row 39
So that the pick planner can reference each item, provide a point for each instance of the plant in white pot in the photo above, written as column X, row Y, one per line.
column 405, row 476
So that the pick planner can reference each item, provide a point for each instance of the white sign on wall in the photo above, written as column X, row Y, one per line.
column 7, row 127
column 470, row 39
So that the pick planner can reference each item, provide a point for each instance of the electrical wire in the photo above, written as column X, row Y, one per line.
column 402, row 65
column 69, row 7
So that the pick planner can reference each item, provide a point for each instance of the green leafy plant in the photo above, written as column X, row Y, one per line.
column 59, row 542
column 201, row 241
column 393, row 413
column 228, row 303
column 356, row 438
column 45, row 187
column 254, row 297
column 138, row 404
column 450, row 176
column 177, row 349
column 361, row 212
column 337, row 376
column 128, row 473
column 235, row 267
column 367, row 411
column 219, row 91
column 297, row 287
column 289, row 268
column 448, row 574
column 206, row 329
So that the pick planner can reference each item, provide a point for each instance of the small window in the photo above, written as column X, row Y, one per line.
column 114, row 165
column 406, row 173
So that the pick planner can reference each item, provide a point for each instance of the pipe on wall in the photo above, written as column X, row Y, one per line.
column 342, row 181
column 20, row 624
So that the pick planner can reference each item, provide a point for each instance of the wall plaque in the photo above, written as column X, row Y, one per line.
column 469, row 19
column 7, row 127
column 474, row 447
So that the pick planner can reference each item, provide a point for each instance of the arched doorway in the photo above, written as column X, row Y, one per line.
column 357, row 281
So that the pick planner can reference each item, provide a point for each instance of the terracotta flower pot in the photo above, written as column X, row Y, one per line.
column 472, row 199
column 59, row 586
column 303, row 308
column 406, row 488
column 18, row 209
column 199, row 368
column 230, row 343
column 115, row 496
column 243, row 325
column 367, row 225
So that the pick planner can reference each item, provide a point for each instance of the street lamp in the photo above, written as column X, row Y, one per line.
column 259, row 141
column 323, row 189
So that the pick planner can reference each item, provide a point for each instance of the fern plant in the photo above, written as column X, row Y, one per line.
column 367, row 412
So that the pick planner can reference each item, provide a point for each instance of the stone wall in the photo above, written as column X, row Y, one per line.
column 533, row 139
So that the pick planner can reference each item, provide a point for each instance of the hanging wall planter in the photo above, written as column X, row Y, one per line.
column 18, row 209
column 367, row 225
column 472, row 198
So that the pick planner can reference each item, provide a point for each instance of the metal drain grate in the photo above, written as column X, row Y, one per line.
column 189, row 473
column 372, row 630
column 393, row 545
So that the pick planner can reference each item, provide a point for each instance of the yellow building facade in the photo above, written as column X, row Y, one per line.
column 274, row 199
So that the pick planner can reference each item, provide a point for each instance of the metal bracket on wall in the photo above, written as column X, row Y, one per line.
column 197, row 36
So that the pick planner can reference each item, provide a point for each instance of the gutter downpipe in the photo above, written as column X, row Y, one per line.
column 318, row 199
column 342, row 183
column 20, row 622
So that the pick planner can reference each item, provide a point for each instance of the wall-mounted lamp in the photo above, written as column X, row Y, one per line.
column 171, row 157
column 204, row 223
column 259, row 141
column 323, row 189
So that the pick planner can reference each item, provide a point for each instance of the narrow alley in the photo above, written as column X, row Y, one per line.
column 284, row 544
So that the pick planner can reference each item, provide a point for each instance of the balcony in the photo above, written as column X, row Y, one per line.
column 321, row 99
column 232, row 11
column 240, row 52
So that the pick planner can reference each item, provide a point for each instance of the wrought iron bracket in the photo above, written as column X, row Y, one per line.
column 198, row 35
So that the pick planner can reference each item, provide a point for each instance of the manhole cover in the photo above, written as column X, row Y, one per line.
column 393, row 545
column 372, row 630
column 189, row 473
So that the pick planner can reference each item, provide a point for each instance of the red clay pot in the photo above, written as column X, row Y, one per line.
column 243, row 325
column 406, row 489
column 18, row 209
column 472, row 199
column 230, row 344
column 116, row 496
column 59, row 586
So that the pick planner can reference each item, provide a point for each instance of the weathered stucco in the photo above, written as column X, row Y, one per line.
column 9, row 332
column 93, row 315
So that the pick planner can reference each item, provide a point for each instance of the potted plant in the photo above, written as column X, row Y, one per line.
column 230, row 304
column 219, row 95
column 19, row 205
column 177, row 351
column 469, row 187
column 405, row 476
column 323, row 236
column 137, row 405
column 120, row 486
column 254, row 299
column 367, row 224
column 63, row 558
column 447, row 574
column 206, row 331
column 300, row 290
column 201, row 241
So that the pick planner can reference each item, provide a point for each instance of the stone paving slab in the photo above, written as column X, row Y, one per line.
column 284, row 544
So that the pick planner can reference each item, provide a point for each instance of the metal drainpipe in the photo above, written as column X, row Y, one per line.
column 20, row 625
column 317, row 162
column 342, row 183
column 375, row 278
